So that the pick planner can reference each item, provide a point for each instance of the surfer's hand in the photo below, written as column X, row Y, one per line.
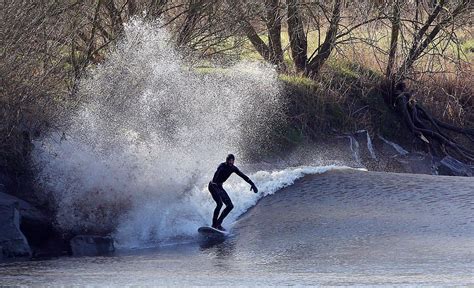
column 254, row 188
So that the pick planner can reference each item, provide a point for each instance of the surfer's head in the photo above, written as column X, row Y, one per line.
column 230, row 159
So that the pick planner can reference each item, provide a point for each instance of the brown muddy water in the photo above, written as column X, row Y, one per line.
column 341, row 227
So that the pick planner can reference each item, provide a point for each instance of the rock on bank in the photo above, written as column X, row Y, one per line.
column 17, row 219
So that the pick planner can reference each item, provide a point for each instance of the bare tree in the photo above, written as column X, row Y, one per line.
column 297, row 35
column 273, row 23
column 31, row 74
column 395, row 31
column 271, row 15
column 328, row 19
column 47, row 47
column 329, row 43
column 427, row 37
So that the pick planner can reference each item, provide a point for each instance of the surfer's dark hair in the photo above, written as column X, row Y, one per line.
column 230, row 156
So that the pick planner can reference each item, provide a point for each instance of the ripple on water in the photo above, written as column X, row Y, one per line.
column 337, row 228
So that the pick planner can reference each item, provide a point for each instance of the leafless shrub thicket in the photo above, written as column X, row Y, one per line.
column 430, row 34
column 47, row 45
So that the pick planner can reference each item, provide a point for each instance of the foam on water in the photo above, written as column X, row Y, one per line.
column 146, row 225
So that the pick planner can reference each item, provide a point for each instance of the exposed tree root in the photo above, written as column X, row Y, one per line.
column 433, row 132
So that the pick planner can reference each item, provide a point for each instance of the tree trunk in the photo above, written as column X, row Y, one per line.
column 273, row 22
column 249, row 31
column 326, row 48
column 393, row 39
column 297, row 35
column 256, row 41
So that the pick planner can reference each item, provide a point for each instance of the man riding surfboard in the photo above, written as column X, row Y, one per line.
column 224, row 170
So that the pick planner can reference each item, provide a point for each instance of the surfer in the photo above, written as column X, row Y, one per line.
column 220, row 195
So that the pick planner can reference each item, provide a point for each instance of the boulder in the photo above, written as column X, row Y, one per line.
column 417, row 163
column 27, row 211
column 12, row 240
column 91, row 245
column 391, row 149
column 453, row 167
column 34, row 224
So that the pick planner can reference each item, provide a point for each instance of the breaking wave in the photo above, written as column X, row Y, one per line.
column 150, row 132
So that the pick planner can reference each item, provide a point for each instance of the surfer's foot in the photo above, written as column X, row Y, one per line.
column 221, row 228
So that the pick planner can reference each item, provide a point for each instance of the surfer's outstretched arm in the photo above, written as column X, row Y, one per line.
column 246, row 178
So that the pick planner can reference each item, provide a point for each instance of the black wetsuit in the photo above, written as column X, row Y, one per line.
column 219, row 194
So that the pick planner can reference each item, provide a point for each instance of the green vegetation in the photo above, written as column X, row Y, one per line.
column 302, row 83
column 344, row 99
column 468, row 46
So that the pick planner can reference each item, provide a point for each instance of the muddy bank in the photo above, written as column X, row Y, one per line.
column 372, row 152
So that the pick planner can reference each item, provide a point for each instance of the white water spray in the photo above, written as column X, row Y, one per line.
column 151, row 131
column 141, row 149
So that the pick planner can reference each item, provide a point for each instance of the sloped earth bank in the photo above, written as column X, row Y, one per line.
column 339, row 227
column 378, row 153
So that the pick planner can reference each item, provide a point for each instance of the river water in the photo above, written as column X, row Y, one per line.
column 341, row 227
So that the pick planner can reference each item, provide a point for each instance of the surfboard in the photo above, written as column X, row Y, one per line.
column 212, row 232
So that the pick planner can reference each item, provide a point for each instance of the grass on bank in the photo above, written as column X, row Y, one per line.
column 345, row 99
column 358, row 50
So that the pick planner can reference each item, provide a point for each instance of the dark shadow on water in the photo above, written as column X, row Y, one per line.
column 220, row 254
column 209, row 242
